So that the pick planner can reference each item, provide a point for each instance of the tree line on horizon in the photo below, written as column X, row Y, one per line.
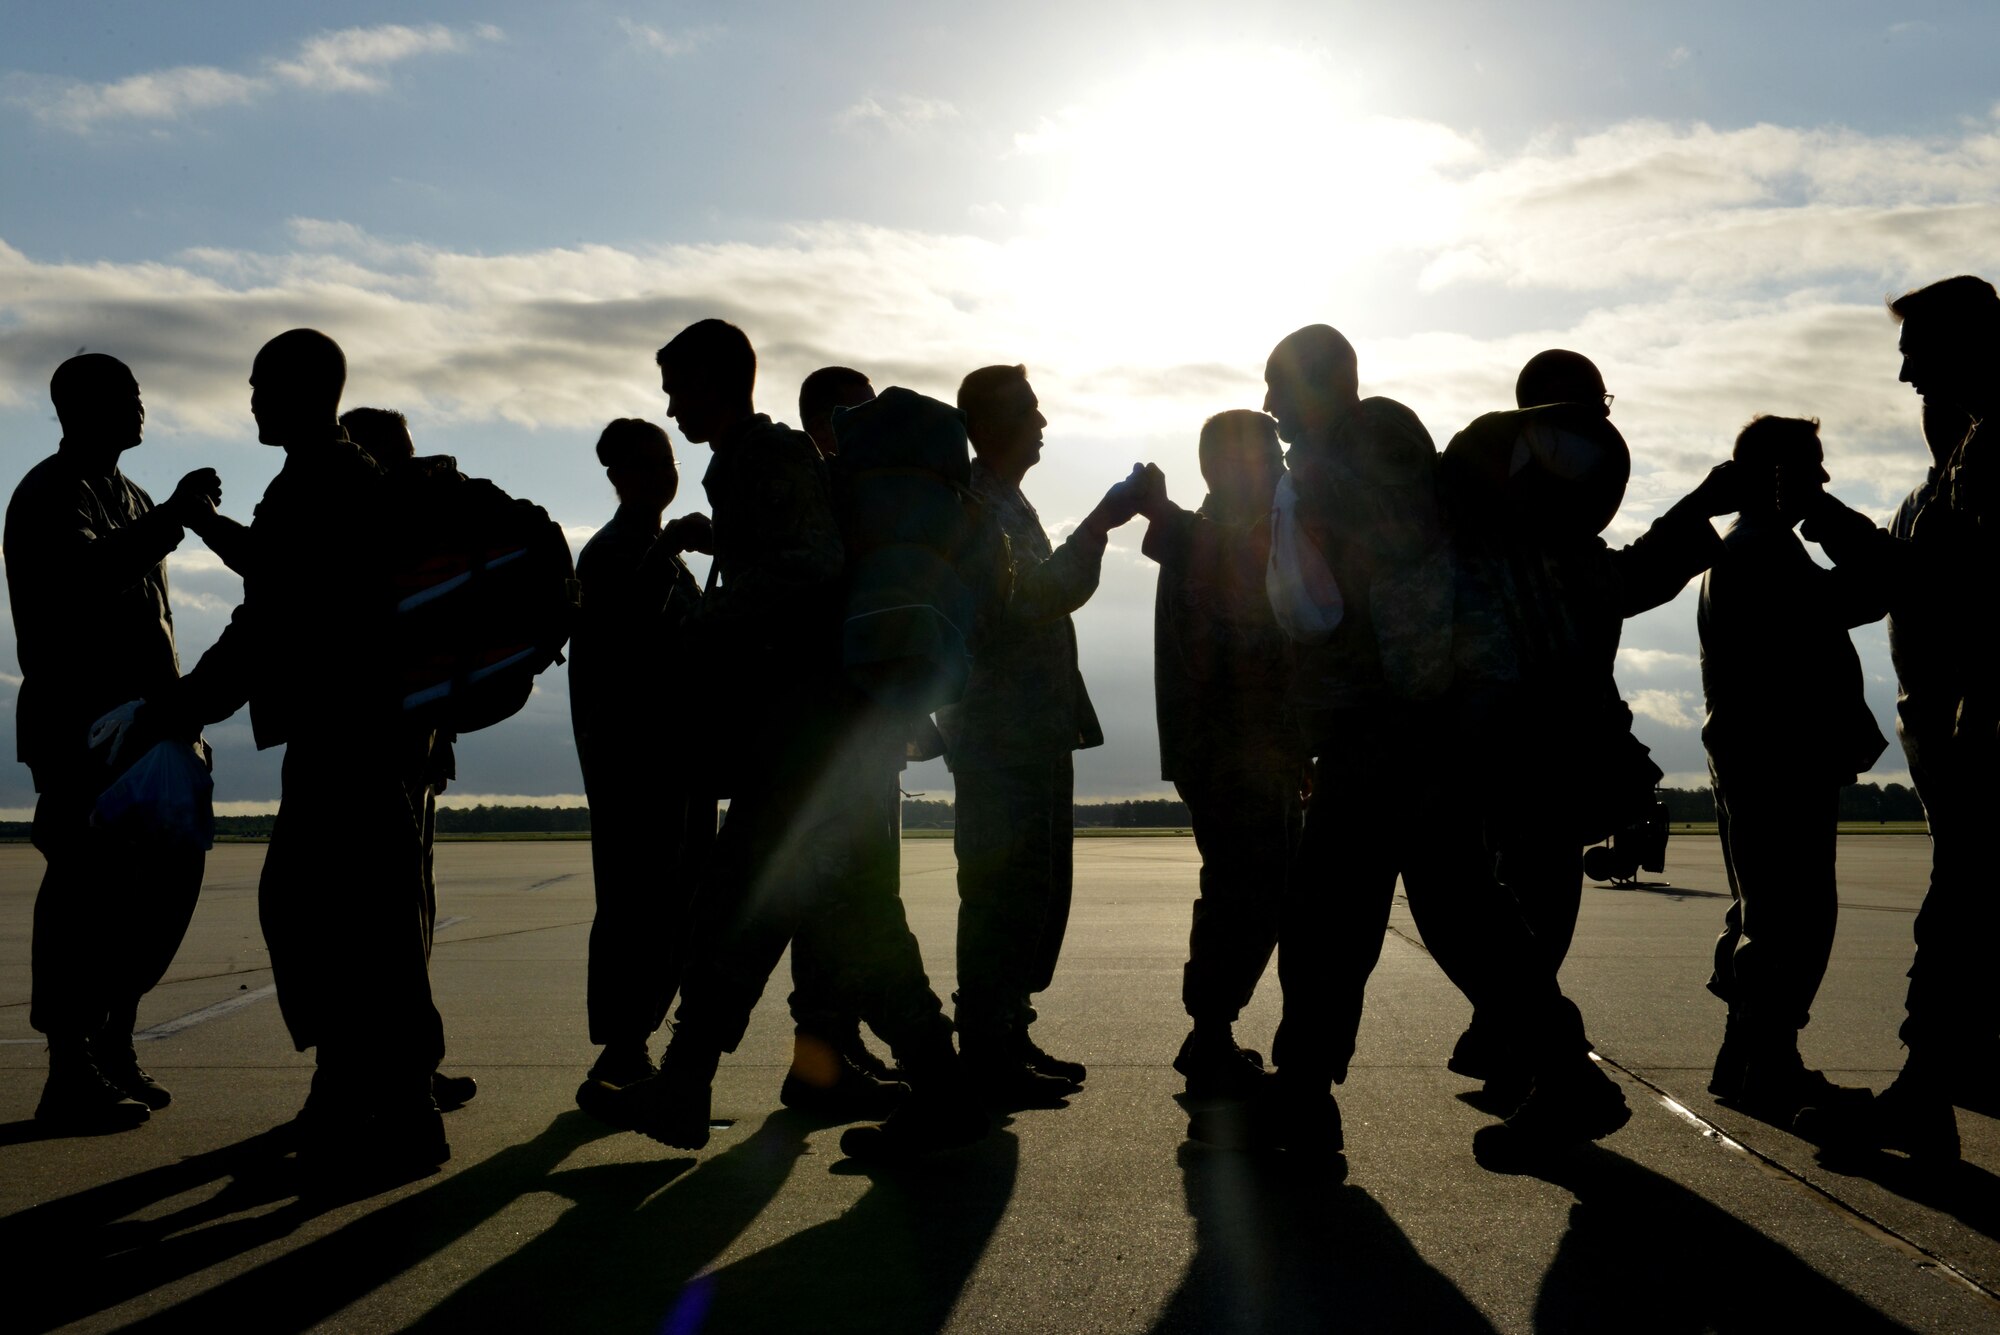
column 1859, row 802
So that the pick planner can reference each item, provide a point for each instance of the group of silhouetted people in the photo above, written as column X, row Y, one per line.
column 1374, row 661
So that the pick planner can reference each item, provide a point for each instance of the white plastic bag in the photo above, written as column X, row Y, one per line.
column 164, row 800
column 1304, row 596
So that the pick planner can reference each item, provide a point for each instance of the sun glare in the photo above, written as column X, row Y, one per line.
column 1209, row 199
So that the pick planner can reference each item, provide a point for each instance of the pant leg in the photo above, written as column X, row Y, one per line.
column 1780, row 853
column 1358, row 832
column 108, row 917
column 875, row 851
column 341, row 901
column 1952, row 1002
column 1722, row 976
column 1003, row 836
column 1062, row 872
column 1246, row 826
column 638, row 863
column 1541, row 864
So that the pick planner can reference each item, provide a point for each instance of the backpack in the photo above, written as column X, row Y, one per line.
column 482, row 596
column 926, row 566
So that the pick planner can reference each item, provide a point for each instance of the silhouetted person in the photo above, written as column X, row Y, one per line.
column 1787, row 726
column 1008, row 743
column 1540, row 606
column 86, row 556
column 628, row 695
column 1371, row 697
column 827, row 1044
column 820, row 393
column 768, row 638
column 1228, row 741
column 341, row 898
column 1937, row 567
column 383, row 434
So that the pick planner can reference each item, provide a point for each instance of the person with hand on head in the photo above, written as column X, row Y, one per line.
column 1787, row 727
column 1228, row 740
column 341, row 894
column 1936, row 567
column 649, row 832
column 1009, row 743
column 86, row 552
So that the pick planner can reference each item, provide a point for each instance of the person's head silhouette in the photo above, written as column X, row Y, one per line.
column 639, row 460
column 382, row 433
column 1787, row 452
column 1003, row 419
column 824, row 390
column 295, row 386
column 97, row 401
column 1311, row 382
column 1560, row 376
column 708, row 372
column 1241, row 461
column 1951, row 343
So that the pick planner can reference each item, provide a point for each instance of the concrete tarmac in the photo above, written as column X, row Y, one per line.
column 1097, row 1217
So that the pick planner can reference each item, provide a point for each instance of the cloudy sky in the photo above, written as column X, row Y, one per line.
column 501, row 209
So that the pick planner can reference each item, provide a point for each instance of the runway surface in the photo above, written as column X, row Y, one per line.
column 1097, row 1217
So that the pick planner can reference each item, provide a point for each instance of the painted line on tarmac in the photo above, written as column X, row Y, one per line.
column 1922, row 1257
column 1860, row 1220
column 553, row 880
column 453, row 921
column 227, row 1006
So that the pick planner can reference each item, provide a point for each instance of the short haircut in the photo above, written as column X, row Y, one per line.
column 307, row 362
column 715, row 351
column 82, row 379
column 982, row 394
column 1235, row 434
column 1558, row 376
column 821, row 392
column 383, row 433
column 1961, row 305
column 1770, row 441
column 628, row 440
column 1317, row 355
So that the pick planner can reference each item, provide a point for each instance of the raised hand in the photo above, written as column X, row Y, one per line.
column 690, row 533
column 196, row 497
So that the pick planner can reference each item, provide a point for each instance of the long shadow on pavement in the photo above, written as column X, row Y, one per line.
column 1965, row 1191
column 893, row 1262
column 1644, row 1253
column 1283, row 1246
column 107, row 1260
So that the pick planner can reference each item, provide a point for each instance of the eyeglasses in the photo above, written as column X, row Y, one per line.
column 1608, row 398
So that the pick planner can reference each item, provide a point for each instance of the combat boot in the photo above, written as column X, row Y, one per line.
column 1777, row 1085
column 1041, row 1063
column 940, row 1114
column 1913, row 1115
column 622, row 1064
column 825, row 1083
column 1568, row 1107
column 1291, row 1112
column 1732, row 1060
column 997, row 1073
column 671, row 1107
column 452, row 1092
column 1215, row 1068
column 78, row 1097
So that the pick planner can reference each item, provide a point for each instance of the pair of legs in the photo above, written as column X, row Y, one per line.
column 1014, row 838
column 1778, row 831
column 343, row 904
column 108, row 919
column 1246, row 827
column 648, row 842
column 1389, row 798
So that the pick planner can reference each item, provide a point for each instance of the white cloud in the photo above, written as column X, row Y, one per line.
column 1646, row 662
column 1672, row 709
column 646, row 37
column 902, row 114
column 351, row 60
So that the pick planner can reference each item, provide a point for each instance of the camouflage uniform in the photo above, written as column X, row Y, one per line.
column 623, row 661
column 1936, row 569
column 1228, row 743
column 1008, row 743
column 784, row 861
